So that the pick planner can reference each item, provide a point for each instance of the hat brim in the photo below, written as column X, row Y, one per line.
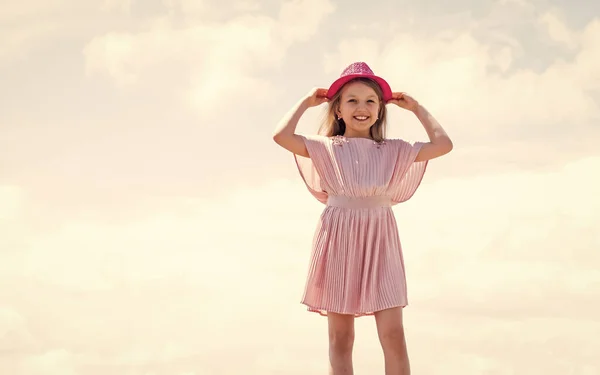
column 338, row 83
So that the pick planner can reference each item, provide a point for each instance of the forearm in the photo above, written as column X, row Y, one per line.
column 287, row 125
column 437, row 135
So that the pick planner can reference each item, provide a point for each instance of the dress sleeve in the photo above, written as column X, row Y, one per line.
column 408, row 173
column 313, row 169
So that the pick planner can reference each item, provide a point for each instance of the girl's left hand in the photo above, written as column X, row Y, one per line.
column 405, row 101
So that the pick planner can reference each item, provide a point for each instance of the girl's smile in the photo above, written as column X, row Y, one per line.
column 359, row 107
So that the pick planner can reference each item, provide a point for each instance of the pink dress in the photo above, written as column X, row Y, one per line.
column 356, row 264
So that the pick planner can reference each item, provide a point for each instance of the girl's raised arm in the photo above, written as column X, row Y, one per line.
column 439, row 143
column 285, row 133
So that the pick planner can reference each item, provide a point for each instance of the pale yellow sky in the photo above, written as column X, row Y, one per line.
column 150, row 226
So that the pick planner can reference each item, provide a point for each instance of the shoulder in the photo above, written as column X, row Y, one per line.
column 398, row 140
column 402, row 143
column 406, row 150
column 316, row 144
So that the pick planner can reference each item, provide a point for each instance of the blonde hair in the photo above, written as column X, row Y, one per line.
column 331, row 126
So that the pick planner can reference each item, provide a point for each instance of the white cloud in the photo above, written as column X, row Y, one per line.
column 30, row 25
column 14, row 230
column 476, row 87
column 201, row 240
column 507, row 244
column 18, row 43
column 557, row 29
column 222, row 58
column 17, row 9
column 299, row 20
column 119, row 5
column 246, row 5
column 55, row 362
column 491, row 226
column 11, row 200
column 14, row 334
column 505, row 273
column 496, row 253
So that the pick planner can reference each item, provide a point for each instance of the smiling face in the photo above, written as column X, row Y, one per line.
column 357, row 98
column 359, row 107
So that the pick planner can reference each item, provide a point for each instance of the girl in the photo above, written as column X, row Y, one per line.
column 356, row 266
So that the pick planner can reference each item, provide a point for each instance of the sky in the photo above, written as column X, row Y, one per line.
column 149, row 225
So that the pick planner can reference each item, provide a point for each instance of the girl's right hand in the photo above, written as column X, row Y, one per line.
column 316, row 96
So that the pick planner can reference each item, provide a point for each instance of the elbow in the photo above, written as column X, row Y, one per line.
column 277, row 138
column 450, row 146
column 446, row 146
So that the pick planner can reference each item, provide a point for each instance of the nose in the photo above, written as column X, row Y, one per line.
column 362, row 105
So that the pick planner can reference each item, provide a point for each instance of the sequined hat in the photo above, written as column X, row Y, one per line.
column 357, row 70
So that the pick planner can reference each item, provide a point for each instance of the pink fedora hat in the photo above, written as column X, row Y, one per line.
column 358, row 70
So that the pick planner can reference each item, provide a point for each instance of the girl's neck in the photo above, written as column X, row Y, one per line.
column 348, row 134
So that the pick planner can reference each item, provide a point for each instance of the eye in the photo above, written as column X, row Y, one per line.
column 351, row 100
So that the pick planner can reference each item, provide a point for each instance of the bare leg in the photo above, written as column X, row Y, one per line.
column 390, row 329
column 341, row 342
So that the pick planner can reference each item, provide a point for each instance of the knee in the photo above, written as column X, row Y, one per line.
column 341, row 341
column 393, row 338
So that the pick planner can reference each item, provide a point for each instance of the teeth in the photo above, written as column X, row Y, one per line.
column 360, row 117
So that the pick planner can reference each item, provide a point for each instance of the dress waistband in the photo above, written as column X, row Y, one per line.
column 359, row 202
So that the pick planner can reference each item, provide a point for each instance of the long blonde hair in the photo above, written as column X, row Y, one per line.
column 331, row 126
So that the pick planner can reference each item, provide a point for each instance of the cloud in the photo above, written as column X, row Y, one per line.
column 14, row 230
column 557, row 30
column 500, row 252
column 118, row 5
column 299, row 20
column 502, row 263
column 54, row 362
column 458, row 69
column 204, row 239
column 11, row 200
column 28, row 26
column 14, row 333
column 223, row 60
column 507, row 244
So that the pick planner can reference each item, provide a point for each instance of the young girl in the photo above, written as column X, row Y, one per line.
column 356, row 266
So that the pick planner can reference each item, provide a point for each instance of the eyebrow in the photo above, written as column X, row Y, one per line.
column 370, row 96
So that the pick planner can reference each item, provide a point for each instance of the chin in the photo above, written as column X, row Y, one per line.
column 361, row 127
